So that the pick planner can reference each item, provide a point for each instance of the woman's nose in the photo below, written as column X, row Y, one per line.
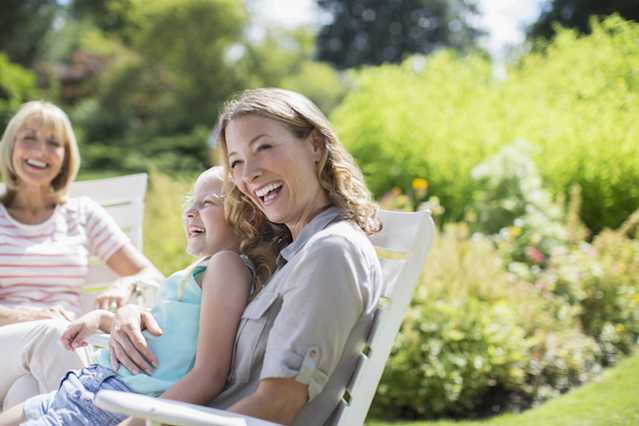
column 251, row 171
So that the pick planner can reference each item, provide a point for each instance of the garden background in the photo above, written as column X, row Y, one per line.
column 532, row 172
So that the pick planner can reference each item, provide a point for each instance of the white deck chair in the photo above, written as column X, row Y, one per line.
column 123, row 198
column 402, row 247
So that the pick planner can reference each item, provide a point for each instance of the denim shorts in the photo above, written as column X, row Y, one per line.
column 72, row 403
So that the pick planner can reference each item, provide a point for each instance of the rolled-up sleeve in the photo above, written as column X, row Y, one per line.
column 319, row 310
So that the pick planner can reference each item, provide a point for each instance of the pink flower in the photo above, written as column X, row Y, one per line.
column 534, row 254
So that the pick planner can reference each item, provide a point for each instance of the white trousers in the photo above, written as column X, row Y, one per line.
column 33, row 360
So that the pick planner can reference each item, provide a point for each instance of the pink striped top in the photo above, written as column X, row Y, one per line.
column 46, row 264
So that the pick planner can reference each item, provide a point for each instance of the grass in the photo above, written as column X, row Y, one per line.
column 612, row 399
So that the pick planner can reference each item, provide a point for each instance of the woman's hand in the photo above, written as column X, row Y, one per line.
column 112, row 298
column 75, row 335
column 127, row 345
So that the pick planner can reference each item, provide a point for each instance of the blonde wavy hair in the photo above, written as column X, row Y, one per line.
column 337, row 172
column 52, row 116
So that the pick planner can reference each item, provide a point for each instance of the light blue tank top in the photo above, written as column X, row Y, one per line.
column 178, row 315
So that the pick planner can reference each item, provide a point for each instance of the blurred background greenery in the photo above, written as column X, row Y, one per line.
column 529, row 165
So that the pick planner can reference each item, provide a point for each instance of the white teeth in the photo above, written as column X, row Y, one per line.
column 36, row 163
column 266, row 189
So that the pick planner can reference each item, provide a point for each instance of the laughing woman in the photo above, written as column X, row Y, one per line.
column 46, row 239
column 297, row 341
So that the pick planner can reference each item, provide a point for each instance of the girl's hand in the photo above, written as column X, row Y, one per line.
column 75, row 335
column 127, row 345
column 112, row 298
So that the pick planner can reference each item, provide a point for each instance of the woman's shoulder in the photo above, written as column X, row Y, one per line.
column 342, row 235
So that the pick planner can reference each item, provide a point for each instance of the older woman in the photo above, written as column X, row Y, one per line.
column 45, row 241
column 297, row 342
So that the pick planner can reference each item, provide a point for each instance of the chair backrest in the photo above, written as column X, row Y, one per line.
column 123, row 198
column 402, row 246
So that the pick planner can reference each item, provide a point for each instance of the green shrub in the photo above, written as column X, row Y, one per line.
column 439, row 116
column 477, row 339
column 164, row 239
column 602, row 282
column 450, row 355
column 17, row 85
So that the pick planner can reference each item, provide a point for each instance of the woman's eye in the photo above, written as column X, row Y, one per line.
column 264, row 147
column 54, row 143
column 235, row 163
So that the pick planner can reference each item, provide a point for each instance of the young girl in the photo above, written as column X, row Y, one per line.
column 198, row 311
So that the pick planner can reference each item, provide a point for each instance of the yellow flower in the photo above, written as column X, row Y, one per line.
column 396, row 190
column 419, row 184
column 515, row 231
column 635, row 298
column 620, row 328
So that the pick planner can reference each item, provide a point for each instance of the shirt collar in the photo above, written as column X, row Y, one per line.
column 319, row 222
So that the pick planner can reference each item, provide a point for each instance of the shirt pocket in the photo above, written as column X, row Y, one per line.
column 250, row 340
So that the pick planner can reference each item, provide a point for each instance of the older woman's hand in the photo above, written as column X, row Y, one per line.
column 127, row 345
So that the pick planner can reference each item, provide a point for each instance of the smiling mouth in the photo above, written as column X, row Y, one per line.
column 36, row 164
column 195, row 232
column 268, row 193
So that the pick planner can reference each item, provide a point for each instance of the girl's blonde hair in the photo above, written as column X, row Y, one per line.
column 262, row 255
column 52, row 116
column 337, row 172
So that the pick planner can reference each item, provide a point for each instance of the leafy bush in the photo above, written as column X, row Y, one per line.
column 439, row 116
column 601, row 282
column 477, row 339
column 17, row 85
column 164, row 239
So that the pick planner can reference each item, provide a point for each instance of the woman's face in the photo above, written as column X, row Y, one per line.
column 207, row 232
column 38, row 153
column 276, row 170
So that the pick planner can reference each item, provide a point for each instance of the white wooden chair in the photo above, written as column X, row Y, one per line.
column 123, row 198
column 402, row 247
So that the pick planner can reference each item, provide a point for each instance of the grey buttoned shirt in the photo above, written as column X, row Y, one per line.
column 310, row 321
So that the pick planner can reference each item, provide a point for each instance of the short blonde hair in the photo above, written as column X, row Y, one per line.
column 52, row 116
column 337, row 172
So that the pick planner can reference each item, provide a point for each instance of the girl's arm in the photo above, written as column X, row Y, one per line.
column 225, row 291
column 76, row 333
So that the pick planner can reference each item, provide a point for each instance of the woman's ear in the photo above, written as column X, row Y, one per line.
column 318, row 144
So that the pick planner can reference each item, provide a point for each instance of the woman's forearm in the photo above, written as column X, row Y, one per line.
column 196, row 387
column 11, row 315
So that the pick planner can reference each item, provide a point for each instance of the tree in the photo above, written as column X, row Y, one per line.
column 377, row 31
column 23, row 26
column 576, row 14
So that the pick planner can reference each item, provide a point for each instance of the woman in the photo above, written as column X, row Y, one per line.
column 45, row 242
column 298, row 340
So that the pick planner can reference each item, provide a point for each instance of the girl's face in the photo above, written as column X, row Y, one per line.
column 38, row 153
column 207, row 232
column 276, row 170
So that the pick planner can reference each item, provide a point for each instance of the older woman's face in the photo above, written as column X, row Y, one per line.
column 38, row 153
column 276, row 170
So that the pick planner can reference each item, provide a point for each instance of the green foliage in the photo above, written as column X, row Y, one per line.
column 24, row 24
column 164, row 239
column 377, row 31
column 600, row 280
column 17, row 85
column 450, row 355
column 611, row 400
column 578, row 13
column 440, row 116
column 476, row 339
